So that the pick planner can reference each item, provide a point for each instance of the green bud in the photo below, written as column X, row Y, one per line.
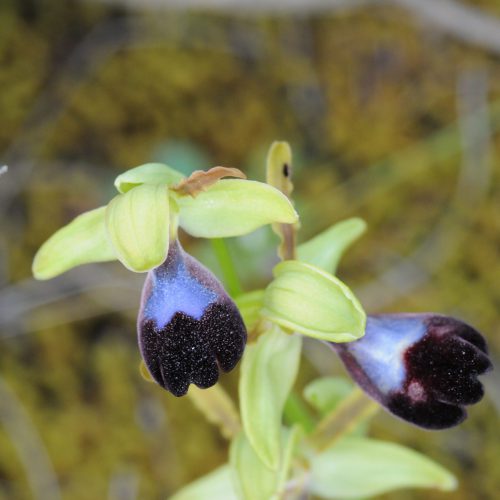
column 138, row 226
column 233, row 207
column 82, row 241
column 279, row 167
column 306, row 299
column 150, row 173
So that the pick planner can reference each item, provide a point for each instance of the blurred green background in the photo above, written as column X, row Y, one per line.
column 393, row 113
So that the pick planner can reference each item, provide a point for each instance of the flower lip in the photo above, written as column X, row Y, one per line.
column 188, row 327
column 421, row 367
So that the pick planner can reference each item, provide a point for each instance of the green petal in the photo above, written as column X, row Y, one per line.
column 232, row 207
column 268, row 372
column 149, row 173
column 308, row 300
column 138, row 226
column 326, row 249
column 217, row 485
column 361, row 467
column 82, row 241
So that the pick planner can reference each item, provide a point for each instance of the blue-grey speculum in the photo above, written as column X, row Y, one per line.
column 188, row 327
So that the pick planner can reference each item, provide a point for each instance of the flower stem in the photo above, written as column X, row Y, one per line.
column 352, row 411
column 218, row 408
column 295, row 412
column 230, row 276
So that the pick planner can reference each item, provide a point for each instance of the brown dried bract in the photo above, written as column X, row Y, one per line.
column 201, row 180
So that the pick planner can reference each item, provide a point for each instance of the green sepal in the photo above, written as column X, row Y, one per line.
column 233, row 207
column 149, row 173
column 360, row 467
column 268, row 372
column 138, row 226
column 82, row 241
column 326, row 249
column 217, row 485
column 306, row 299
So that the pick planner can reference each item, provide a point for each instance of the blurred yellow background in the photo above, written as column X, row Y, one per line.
column 393, row 113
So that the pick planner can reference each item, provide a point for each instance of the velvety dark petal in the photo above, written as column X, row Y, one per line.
column 226, row 341
column 442, row 325
column 421, row 367
column 188, row 327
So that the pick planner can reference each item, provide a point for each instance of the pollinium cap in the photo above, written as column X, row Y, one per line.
column 421, row 367
column 188, row 327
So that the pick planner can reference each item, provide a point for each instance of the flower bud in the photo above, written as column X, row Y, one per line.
column 421, row 367
column 188, row 327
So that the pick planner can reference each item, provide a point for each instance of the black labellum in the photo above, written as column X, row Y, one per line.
column 188, row 327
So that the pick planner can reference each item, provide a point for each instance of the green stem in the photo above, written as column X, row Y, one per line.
column 295, row 412
column 229, row 274
column 352, row 411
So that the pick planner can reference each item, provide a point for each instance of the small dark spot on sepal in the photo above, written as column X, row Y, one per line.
column 179, row 348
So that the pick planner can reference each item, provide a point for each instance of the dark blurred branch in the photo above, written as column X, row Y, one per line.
column 29, row 447
column 245, row 6
column 467, row 23
column 110, row 289
column 472, row 184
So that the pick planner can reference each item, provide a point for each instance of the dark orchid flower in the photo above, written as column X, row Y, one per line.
column 188, row 327
column 421, row 367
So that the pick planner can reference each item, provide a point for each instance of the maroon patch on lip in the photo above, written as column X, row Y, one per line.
column 442, row 370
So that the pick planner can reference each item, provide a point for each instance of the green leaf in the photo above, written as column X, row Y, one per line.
column 356, row 467
column 254, row 480
column 268, row 372
column 325, row 393
column 82, row 241
column 138, row 226
column 308, row 300
column 232, row 207
column 326, row 249
column 218, row 485
column 249, row 305
column 150, row 173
